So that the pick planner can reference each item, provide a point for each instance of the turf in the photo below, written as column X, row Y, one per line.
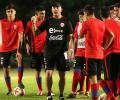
column 31, row 87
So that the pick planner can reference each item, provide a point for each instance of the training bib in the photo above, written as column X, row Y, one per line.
column 81, row 43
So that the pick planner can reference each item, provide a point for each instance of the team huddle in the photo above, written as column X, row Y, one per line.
column 94, row 45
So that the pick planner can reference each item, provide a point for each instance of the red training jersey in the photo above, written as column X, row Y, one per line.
column 94, row 30
column 9, row 34
column 38, row 41
column 80, row 51
column 115, row 28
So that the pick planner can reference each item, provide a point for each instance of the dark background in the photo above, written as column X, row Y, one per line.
column 25, row 8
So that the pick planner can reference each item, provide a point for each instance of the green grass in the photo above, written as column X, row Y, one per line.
column 31, row 87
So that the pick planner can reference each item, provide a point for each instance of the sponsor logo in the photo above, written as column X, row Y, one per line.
column 62, row 24
column 15, row 27
column 58, row 37
column 81, row 43
column 53, row 30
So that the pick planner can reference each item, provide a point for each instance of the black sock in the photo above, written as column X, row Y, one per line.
column 61, row 95
column 49, row 93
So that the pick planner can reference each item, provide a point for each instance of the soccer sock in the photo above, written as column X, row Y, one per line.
column 8, row 83
column 49, row 93
column 76, row 77
column 118, row 86
column 110, row 85
column 61, row 95
column 39, row 83
column 115, row 88
column 87, row 84
column 106, row 88
column 20, row 74
column 81, row 82
column 94, row 90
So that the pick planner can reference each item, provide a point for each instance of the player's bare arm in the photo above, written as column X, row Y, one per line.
column 70, row 47
column 27, row 48
column 20, row 41
column 75, row 45
column 109, row 41
column 34, row 27
column 27, row 44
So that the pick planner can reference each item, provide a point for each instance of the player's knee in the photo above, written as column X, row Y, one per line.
column 62, row 76
column 48, row 73
column 38, row 70
column 94, row 79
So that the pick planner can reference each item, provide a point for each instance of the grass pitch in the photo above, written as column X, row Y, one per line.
column 31, row 87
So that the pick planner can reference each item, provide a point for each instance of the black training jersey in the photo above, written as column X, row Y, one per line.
column 57, row 32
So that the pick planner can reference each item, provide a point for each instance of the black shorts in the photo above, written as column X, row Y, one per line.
column 93, row 66
column 5, row 58
column 80, row 63
column 112, row 66
column 37, row 61
column 57, row 61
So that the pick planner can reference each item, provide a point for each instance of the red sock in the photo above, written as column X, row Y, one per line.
column 39, row 83
column 106, row 88
column 94, row 90
column 94, row 98
column 81, row 82
column 8, row 83
column 118, row 86
column 76, row 77
column 110, row 85
column 87, row 84
column 20, row 74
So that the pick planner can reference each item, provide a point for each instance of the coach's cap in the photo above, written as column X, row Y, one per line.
column 56, row 4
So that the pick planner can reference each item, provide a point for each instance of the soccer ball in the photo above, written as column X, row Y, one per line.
column 18, row 92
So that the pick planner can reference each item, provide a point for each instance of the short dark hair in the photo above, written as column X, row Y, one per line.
column 111, row 7
column 117, row 5
column 10, row 6
column 81, row 12
column 105, row 12
column 39, row 8
column 89, row 9
column 56, row 4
